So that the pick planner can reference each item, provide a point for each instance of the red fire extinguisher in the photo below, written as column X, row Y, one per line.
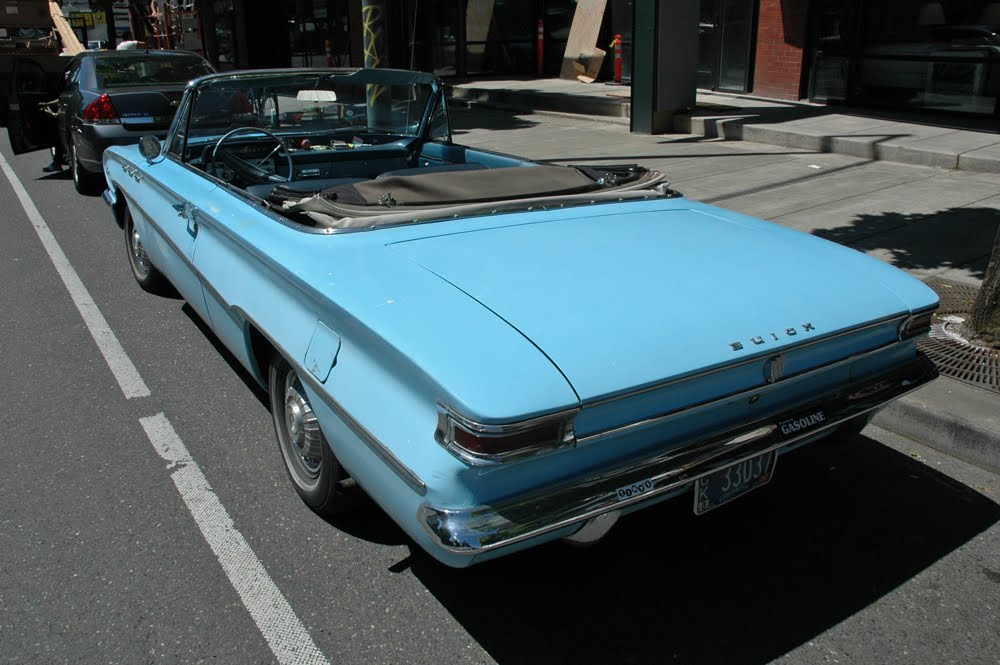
column 617, row 44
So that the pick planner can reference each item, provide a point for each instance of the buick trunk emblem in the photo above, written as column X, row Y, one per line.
column 773, row 337
column 774, row 368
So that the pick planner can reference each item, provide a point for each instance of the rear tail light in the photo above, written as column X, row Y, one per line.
column 101, row 112
column 915, row 325
column 488, row 444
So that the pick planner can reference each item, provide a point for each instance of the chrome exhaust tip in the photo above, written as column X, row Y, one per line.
column 594, row 529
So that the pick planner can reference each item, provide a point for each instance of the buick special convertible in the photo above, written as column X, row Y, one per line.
column 499, row 352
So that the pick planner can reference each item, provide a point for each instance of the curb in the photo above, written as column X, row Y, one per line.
column 953, row 417
column 581, row 105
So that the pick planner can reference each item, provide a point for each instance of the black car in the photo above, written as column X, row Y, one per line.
column 106, row 98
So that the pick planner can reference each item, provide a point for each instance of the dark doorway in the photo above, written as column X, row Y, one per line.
column 725, row 44
column 832, row 35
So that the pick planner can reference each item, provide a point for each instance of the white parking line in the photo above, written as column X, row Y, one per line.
column 283, row 631
column 121, row 365
column 277, row 622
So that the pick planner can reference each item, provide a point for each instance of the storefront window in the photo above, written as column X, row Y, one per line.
column 500, row 36
column 224, row 24
column 558, row 17
column 444, row 31
column 941, row 55
column 311, row 29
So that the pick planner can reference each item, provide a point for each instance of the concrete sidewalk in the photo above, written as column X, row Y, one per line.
column 971, row 144
column 913, row 216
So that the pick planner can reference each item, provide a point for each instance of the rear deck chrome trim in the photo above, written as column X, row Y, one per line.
column 746, row 361
column 483, row 528
column 685, row 410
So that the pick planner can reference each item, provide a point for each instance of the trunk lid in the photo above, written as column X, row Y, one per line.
column 142, row 109
column 619, row 301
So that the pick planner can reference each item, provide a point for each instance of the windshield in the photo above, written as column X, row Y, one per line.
column 149, row 70
column 311, row 102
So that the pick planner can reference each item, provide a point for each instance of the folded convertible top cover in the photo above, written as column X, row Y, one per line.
column 452, row 187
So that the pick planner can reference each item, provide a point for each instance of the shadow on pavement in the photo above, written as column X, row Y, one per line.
column 248, row 380
column 931, row 241
column 463, row 120
column 841, row 525
column 622, row 159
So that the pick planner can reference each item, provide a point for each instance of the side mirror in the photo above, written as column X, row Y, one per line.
column 149, row 147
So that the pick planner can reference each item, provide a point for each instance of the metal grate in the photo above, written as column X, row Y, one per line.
column 960, row 359
column 956, row 297
column 954, row 355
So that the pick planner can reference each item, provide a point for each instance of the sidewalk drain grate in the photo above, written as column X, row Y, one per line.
column 960, row 359
column 954, row 355
column 956, row 297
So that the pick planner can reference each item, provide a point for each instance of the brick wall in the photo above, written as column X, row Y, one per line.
column 781, row 36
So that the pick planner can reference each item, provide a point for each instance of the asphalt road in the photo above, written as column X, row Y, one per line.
column 873, row 550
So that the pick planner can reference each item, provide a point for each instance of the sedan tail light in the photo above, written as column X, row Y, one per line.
column 479, row 444
column 915, row 325
column 101, row 112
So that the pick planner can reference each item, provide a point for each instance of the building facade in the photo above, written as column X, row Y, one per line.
column 937, row 55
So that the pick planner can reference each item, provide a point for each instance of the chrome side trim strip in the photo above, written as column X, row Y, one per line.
column 376, row 446
column 406, row 474
column 369, row 439
column 482, row 528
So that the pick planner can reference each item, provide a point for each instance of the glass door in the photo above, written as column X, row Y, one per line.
column 725, row 44
column 736, row 45
column 832, row 41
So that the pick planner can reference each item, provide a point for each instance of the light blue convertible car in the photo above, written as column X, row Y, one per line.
column 499, row 352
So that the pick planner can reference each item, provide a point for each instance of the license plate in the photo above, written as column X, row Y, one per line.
column 732, row 481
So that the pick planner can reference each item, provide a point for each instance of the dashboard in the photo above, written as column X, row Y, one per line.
column 243, row 162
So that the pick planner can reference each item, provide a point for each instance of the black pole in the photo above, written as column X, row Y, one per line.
column 109, row 17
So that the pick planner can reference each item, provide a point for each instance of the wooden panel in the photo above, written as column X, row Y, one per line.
column 582, row 35
column 71, row 44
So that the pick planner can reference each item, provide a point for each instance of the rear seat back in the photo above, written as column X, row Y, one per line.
column 440, row 168
column 297, row 189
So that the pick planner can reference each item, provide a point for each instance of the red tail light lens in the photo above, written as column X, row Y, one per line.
column 101, row 112
column 915, row 325
column 487, row 444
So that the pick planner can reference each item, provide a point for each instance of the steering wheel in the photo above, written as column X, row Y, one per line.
column 247, row 169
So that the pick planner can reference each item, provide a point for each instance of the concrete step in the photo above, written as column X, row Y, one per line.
column 590, row 104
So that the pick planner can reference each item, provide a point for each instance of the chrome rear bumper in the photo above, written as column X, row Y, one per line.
column 480, row 529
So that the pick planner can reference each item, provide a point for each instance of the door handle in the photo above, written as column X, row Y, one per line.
column 187, row 211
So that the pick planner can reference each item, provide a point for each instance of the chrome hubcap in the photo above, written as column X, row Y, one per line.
column 138, row 253
column 302, row 428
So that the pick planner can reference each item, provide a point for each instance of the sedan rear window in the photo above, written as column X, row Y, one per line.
column 152, row 70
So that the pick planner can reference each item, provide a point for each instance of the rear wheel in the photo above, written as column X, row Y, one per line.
column 146, row 275
column 84, row 181
column 312, row 468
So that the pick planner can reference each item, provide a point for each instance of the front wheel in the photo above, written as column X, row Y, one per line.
column 146, row 275
column 312, row 468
